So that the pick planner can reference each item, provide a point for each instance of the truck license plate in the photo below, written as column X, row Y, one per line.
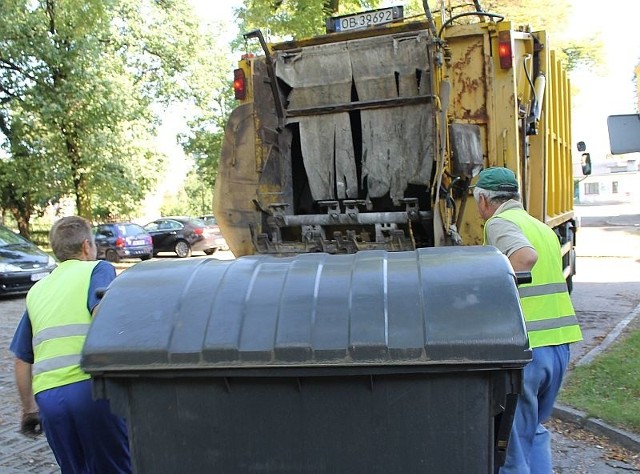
column 364, row 20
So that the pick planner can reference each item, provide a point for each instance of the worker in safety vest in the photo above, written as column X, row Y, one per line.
column 84, row 435
column 549, row 316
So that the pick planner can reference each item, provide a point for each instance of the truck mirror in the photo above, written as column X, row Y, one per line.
column 586, row 164
column 581, row 146
column 624, row 133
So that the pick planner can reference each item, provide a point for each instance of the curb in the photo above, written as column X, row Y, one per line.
column 619, row 436
column 626, row 439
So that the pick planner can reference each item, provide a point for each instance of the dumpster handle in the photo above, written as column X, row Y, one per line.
column 523, row 277
column 504, row 429
column 100, row 292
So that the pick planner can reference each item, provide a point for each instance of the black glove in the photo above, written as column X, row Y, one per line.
column 31, row 425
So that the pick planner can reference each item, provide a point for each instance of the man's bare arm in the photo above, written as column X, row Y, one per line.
column 523, row 259
column 25, row 389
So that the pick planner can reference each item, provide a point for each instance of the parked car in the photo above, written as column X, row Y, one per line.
column 22, row 263
column 118, row 240
column 210, row 220
column 181, row 235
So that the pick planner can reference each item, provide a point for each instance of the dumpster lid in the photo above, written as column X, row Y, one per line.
column 432, row 306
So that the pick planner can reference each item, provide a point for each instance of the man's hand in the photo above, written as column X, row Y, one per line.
column 30, row 425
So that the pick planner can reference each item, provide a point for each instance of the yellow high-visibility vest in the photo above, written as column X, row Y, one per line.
column 546, row 304
column 60, row 319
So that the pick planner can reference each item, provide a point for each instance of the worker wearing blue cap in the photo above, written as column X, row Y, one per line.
column 531, row 246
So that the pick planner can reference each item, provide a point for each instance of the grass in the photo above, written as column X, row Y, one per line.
column 609, row 387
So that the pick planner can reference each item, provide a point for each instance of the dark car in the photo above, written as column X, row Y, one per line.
column 212, row 224
column 181, row 235
column 22, row 263
column 118, row 240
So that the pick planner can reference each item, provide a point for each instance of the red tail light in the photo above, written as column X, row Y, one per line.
column 119, row 242
column 505, row 49
column 239, row 84
column 198, row 230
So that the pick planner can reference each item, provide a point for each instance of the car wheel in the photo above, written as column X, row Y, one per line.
column 145, row 257
column 210, row 251
column 182, row 249
column 111, row 256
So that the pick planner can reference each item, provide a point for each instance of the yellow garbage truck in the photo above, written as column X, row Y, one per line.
column 370, row 136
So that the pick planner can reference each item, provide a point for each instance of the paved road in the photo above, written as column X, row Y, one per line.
column 606, row 291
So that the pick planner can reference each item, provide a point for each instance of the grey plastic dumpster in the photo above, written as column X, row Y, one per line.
column 372, row 362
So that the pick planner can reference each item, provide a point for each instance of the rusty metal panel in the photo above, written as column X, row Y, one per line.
column 468, row 78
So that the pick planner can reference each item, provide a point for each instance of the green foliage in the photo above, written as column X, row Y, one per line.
column 195, row 198
column 609, row 388
column 551, row 16
column 295, row 19
column 588, row 53
column 78, row 83
column 211, row 82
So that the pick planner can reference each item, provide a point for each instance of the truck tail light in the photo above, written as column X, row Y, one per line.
column 505, row 50
column 239, row 84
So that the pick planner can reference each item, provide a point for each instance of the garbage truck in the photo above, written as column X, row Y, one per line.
column 369, row 137
column 342, row 187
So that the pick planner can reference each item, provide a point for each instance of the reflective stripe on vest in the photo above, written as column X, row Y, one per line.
column 61, row 331
column 546, row 304
column 546, row 289
column 59, row 362
column 55, row 363
column 60, row 320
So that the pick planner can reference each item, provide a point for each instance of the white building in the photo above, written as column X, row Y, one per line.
column 609, row 182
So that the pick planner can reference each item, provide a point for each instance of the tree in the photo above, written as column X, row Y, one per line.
column 551, row 16
column 211, row 103
column 295, row 18
column 86, row 75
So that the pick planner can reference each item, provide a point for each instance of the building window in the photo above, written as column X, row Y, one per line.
column 614, row 187
column 591, row 188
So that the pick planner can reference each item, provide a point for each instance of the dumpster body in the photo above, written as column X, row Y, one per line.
column 371, row 362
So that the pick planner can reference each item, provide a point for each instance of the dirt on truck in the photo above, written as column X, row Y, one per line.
column 370, row 136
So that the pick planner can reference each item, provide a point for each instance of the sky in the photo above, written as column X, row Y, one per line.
column 599, row 96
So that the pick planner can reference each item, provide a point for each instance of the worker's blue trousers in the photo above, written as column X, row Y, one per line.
column 529, row 450
column 84, row 435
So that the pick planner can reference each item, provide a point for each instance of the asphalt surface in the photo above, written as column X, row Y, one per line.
column 605, row 310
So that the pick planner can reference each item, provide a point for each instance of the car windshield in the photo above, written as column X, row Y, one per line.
column 130, row 229
column 8, row 237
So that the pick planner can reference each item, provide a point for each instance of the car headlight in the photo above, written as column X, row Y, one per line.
column 9, row 267
column 51, row 262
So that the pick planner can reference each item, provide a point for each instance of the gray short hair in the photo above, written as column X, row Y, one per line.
column 495, row 196
column 67, row 235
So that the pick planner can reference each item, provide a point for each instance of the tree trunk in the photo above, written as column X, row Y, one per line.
column 83, row 196
column 331, row 6
column 22, row 218
column 80, row 178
